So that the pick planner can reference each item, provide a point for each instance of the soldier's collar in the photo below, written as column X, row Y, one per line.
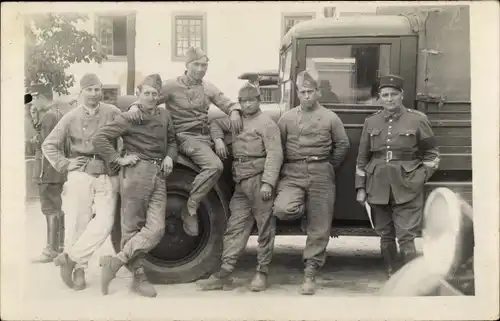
column 257, row 113
column 189, row 81
column 143, row 110
column 91, row 111
column 394, row 115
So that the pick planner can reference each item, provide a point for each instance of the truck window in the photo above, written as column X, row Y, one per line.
column 284, row 75
column 348, row 73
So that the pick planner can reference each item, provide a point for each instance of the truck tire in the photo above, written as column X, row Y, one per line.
column 180, row 258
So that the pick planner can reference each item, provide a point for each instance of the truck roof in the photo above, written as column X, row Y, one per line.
column 356, row 26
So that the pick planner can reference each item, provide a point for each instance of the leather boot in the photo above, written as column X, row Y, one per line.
column 389, row 252
column 141, row 285
column 49, row 253
column 61, row 233
column 66, row 268
column 217, row 281
column 189, row 222
column 308, row 287
column 259, row 282
column 79, row 279
column 408, row 251
column 110, row 266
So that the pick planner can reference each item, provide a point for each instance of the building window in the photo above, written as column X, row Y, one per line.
column 110, row 94
column 189, row 30
column 268, row 94
column 291, row 19
column 112, row 35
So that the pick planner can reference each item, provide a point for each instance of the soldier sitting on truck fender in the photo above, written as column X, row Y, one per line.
column 397, row 156
column 188, row 99
column 315, row 143
column 150, row 151
column 258, row 156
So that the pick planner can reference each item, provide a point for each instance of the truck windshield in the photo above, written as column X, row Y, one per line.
column 348, row 73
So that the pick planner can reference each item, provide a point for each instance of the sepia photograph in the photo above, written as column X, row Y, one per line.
column 251, row 153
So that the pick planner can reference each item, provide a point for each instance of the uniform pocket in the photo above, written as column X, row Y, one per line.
column 407, row 138
column 375, row 139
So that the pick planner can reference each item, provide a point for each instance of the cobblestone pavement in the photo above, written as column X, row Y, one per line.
column 353, row 268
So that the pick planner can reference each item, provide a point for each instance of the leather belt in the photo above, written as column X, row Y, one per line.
column 244, row 159
column 309, row 159
column 156, row 161
column 391, row 155
column 90, row 156
column 198, row 130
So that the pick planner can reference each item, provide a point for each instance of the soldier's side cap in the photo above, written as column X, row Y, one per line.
column 194, row 54
column 248, row 91
column 391, row 81
column 308, row 78
column 153, row 80
column 89, row 80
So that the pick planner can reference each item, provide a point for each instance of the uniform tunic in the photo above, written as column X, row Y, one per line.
column 397, row 155
column 258, row 156
column 142, row 186
column 315, row 142
column 188, row 102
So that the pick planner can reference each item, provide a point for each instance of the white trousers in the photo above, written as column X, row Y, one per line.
column 84, row 196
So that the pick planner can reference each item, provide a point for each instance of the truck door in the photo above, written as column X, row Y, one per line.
column 349, row 69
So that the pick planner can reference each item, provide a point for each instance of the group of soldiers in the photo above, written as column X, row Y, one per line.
column 283, row 171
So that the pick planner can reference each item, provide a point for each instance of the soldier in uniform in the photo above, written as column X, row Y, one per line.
column 188, row 99
column 91, row 182
column 45, row 115
column 150, row 151
column 397, row 155
column 315, row 144
column 257, row 159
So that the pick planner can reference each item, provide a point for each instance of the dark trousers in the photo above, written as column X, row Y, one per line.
column 247, row 207
column 309, row 187
column 399, row 221
column 143, row 204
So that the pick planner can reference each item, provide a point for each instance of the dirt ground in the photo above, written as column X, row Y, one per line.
column 353, row 268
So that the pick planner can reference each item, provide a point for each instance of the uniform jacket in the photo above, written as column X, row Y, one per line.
column 398, row 153
column 44, row 171
column 317, row 133
column 153, row 138
column 77, row 128
column 258, row 144
column 188, row 103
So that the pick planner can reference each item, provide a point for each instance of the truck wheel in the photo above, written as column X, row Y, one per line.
column 180, row 258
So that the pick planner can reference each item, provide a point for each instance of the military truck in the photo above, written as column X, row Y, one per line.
column 427, row 45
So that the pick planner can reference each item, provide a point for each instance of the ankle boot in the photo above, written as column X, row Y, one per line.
column 308, row 287
column 49, row 253
column 141, row 285
column 79, row 279
column 189, row 222
column 110, row 266
column 217, row 281
column 259, row 282
column 408, row 252
column 66, row 268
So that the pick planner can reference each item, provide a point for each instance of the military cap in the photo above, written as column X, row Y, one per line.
column 153, row 80
column 248, row 91
column 391, row 81
column 194, row 54
column 89, row 80
column 308, row 78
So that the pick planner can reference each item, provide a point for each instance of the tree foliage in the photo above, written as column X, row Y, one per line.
column 53, row 44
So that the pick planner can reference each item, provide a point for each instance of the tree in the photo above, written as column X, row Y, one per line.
column 53, row 44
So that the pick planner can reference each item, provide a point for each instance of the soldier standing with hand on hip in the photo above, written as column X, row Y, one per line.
column 151, row 151
column 397, row 156
column 91, row 180
column 315, row 143
column 188, row 99
column 258, row 155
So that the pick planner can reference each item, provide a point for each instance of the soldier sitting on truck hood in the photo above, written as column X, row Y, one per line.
column 315, row 143
column 257, row 159
column 188, row 98
column 397, row 155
